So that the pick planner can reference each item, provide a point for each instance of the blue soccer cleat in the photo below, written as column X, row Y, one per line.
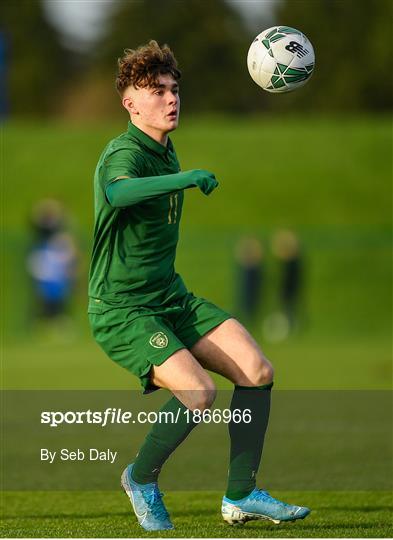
column 146, row 501
column 260, row 505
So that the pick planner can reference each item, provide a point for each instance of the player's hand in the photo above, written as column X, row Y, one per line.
column 205, row 180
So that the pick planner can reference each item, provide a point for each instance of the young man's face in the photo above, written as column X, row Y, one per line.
column 154, row 110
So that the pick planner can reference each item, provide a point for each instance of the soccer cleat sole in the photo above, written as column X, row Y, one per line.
column 236, row 517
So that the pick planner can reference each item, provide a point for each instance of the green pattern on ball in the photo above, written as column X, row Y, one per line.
column 277, row 37
column 284, row 75
column 276, row 34
column 288, row 30
column 277, row 82
column 271, row 33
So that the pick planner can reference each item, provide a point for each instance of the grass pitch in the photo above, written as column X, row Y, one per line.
column 329, row 179
column 194, row 514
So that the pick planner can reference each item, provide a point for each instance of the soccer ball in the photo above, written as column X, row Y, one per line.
column 280, row 59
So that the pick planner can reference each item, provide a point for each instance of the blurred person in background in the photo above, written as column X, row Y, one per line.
column 4, row 71
column 249, row 277
column 52, row 263
column 286, row 247
column 142, row 314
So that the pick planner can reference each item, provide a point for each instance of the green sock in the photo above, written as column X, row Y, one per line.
column 247, row 438
column 160, row 442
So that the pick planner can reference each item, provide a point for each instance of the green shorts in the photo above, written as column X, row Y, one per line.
column 138, row 338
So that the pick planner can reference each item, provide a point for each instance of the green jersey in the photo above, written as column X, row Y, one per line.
column 135, row 246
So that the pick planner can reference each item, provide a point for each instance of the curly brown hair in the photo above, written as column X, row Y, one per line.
column 142, row 66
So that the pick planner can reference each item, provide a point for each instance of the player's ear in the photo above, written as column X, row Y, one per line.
column 129, row 105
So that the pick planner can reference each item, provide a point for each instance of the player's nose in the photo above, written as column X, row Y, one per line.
column 172, row 98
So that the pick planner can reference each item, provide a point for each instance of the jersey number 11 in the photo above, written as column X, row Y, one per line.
column 172, row 214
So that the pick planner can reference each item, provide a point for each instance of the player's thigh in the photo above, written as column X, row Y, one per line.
column 182, row 374
column 146, row 346
column 197, row 317
column 136, row 340
column 230, row 350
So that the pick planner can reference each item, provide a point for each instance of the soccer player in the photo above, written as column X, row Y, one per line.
column 141, row 312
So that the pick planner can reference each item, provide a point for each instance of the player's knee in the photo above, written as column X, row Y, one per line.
column 262, row 372
column 203, row 399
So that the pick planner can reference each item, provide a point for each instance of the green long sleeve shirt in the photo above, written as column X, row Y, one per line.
column 136, row 224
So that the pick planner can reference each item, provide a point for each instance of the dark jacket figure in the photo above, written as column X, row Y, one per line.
column 249, row 258
column 286, row 247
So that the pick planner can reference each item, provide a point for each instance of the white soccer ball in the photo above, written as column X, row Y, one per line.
column 280, row 59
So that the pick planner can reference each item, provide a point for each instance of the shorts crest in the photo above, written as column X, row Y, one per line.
column 159, row 340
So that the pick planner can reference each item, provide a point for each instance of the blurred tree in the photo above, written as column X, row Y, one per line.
column 209, row 39
column 353, row 48
column 38, row 65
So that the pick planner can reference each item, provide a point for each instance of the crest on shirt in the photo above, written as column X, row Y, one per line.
column 159, row 340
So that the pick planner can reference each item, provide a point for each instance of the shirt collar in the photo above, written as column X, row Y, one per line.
column 148, row 141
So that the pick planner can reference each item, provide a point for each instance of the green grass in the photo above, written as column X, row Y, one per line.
column 272, row 171
column 328, row 179
column 300, row 363
column 195, row 514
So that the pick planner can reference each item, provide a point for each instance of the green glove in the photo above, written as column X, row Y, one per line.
column 205, row 180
